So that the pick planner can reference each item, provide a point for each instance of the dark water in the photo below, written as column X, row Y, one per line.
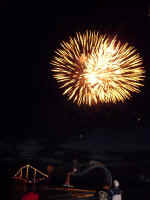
column 15, row 191
column 45, row 193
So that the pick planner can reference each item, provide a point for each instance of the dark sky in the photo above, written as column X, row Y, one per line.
column 45, row 111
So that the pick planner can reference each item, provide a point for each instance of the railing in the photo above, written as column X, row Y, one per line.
column 19, row 174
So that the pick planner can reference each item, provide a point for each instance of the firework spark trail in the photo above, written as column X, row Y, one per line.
column 93, row 68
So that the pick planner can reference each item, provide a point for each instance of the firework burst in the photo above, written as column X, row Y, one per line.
column 93, row 68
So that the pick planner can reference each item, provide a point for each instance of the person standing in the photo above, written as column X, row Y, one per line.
column 115, row 191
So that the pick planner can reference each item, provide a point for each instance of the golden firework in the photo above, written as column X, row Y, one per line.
column 93, row 68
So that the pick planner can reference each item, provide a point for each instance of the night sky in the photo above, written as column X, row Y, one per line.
column 44, row 111
column 40, row 124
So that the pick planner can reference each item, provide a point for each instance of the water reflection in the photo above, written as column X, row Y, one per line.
column 45, row 192
column 24, row 192
column 30, row 193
